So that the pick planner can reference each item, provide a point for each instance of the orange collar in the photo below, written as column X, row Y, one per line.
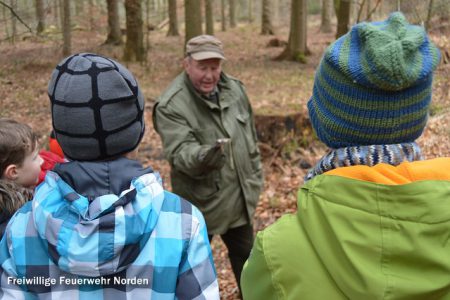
column 406, row 172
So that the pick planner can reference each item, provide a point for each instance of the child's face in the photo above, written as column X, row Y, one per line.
column 28, row 172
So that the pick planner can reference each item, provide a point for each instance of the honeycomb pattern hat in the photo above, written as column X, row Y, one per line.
column 97, row 108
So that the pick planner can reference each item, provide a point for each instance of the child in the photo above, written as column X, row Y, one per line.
column 20, row 166
column 101, row 226
column 373, row 218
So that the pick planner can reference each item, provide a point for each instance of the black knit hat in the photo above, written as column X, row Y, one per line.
column 97, row 108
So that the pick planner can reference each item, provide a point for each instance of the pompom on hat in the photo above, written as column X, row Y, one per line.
column 373, row 85
column 97, row 108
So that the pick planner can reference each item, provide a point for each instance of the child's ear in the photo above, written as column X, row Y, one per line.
column 10, row 172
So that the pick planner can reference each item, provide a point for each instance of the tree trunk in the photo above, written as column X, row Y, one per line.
column 296, row 48
column 327, row 9
column 444, row 9
column 193, row 18
column 13, row 4
column 67, row 47
column 79, row 7
column 369, row 10
column 359, row 15
column 232, row 8
column 343, row 17
column 267, row 27
column 61, row 12
column 147, row 25
column 134, row 47
column 429, row 15
column 336, row 6
column 222, row 13
column 114, row 34
column 173, row 19
column 209, row 16
column 161, row 11
column 91, row 14
column 275, row 4
column 40, row 16
column 250, row 11
column 404, row 6
column 5, row 20
column 56, row 12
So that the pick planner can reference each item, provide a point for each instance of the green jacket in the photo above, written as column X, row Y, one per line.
column 226, row 193
column 356, row 238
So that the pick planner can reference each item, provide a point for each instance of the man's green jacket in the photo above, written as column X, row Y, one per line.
column 189, row 124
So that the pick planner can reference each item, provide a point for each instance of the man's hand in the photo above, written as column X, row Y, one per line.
column 214, row 157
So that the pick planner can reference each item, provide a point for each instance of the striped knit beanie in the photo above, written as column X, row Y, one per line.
column 373, row 85
column 97, row 108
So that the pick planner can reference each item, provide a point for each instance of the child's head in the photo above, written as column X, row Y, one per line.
column 97, row 108
column 19, row 158
column 373, row 85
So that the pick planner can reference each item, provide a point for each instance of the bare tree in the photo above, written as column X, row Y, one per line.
column 367, row 4
column 232, row 8
column 91, row 14
column 13, row 4
column 343, row 17
column 209, row 16
column 327, row 10
column 67, row 32
column 5, row 18
column 40, row 16
column 429, row 14
column 173, row 19
column 368, row 10
column 56, row 12
column 250, row 11
column 296, row 48
column 222, row 13
column 147, row 25
column 61, row 12
column 79, row 7
column 193, row 18
column 114, row 34
column 134, row 47
column 267, row 27
column 14, row 16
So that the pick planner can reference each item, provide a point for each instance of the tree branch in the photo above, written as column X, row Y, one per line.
column 374, row 9
column 16, row 15
column 361, row 7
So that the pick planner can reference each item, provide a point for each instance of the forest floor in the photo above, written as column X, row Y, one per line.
column 273, row 87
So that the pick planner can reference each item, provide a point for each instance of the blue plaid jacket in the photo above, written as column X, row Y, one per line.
column 145, row 243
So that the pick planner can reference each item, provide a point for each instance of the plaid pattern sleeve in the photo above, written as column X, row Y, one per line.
column 197, row 275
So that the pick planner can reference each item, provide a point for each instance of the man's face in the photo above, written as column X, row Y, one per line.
column 204, row 74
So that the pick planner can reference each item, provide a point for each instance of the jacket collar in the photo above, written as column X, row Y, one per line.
column 93, row 179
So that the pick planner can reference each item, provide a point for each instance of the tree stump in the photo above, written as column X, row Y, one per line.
column 283, row 134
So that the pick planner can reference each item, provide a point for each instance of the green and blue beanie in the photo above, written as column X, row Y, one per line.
column 373, row 85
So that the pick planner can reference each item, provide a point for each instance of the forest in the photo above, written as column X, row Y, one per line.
column 272, row 46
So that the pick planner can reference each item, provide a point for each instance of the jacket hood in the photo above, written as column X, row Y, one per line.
column 378, row 238
column 97, row 229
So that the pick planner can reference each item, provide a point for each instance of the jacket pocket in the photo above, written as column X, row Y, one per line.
column 243, row 118
column 247, row 134
column 200, row 188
